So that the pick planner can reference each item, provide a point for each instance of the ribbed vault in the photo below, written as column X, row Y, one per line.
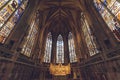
column 60, row 17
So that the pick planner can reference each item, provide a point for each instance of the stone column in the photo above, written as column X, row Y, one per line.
column 54, row 44
column 66, row 50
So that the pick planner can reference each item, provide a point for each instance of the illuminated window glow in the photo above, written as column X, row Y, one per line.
column 9, row 16
column 47, row 56
column 102, row 7
column 89, row 38
column 30, row 40
column 60, row 50
column 71, row 44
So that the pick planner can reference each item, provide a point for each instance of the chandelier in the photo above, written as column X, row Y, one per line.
column 60, row 70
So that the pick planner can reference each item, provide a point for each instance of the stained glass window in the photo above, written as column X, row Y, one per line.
column 3, row 2
column 30, row 40
column 71, row 44
column 47, row 56
column 9, row 15
column 102, row 7
column 60, row 50
column 89, row 38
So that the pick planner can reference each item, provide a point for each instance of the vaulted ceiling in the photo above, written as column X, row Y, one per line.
column 60, row 16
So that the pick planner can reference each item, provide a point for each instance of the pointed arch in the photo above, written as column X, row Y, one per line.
column 89, row 38
column 48, row 48
column 60, row 50
column 10, row 13
column 110, row 12
column 71, row 44
column 29, row 40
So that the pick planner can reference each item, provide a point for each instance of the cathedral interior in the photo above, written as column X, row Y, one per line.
column 59, row 39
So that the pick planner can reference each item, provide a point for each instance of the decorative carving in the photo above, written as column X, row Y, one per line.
column 60, row 69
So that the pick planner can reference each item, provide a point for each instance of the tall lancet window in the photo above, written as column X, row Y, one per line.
column 60, row 50
column 10, row 13
column 48, row 48
column 89, row 38
column 71, row 44
column 110, row 12
column 29, row 40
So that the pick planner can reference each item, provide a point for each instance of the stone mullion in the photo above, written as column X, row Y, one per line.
column 66, row 50
column 53, row 52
